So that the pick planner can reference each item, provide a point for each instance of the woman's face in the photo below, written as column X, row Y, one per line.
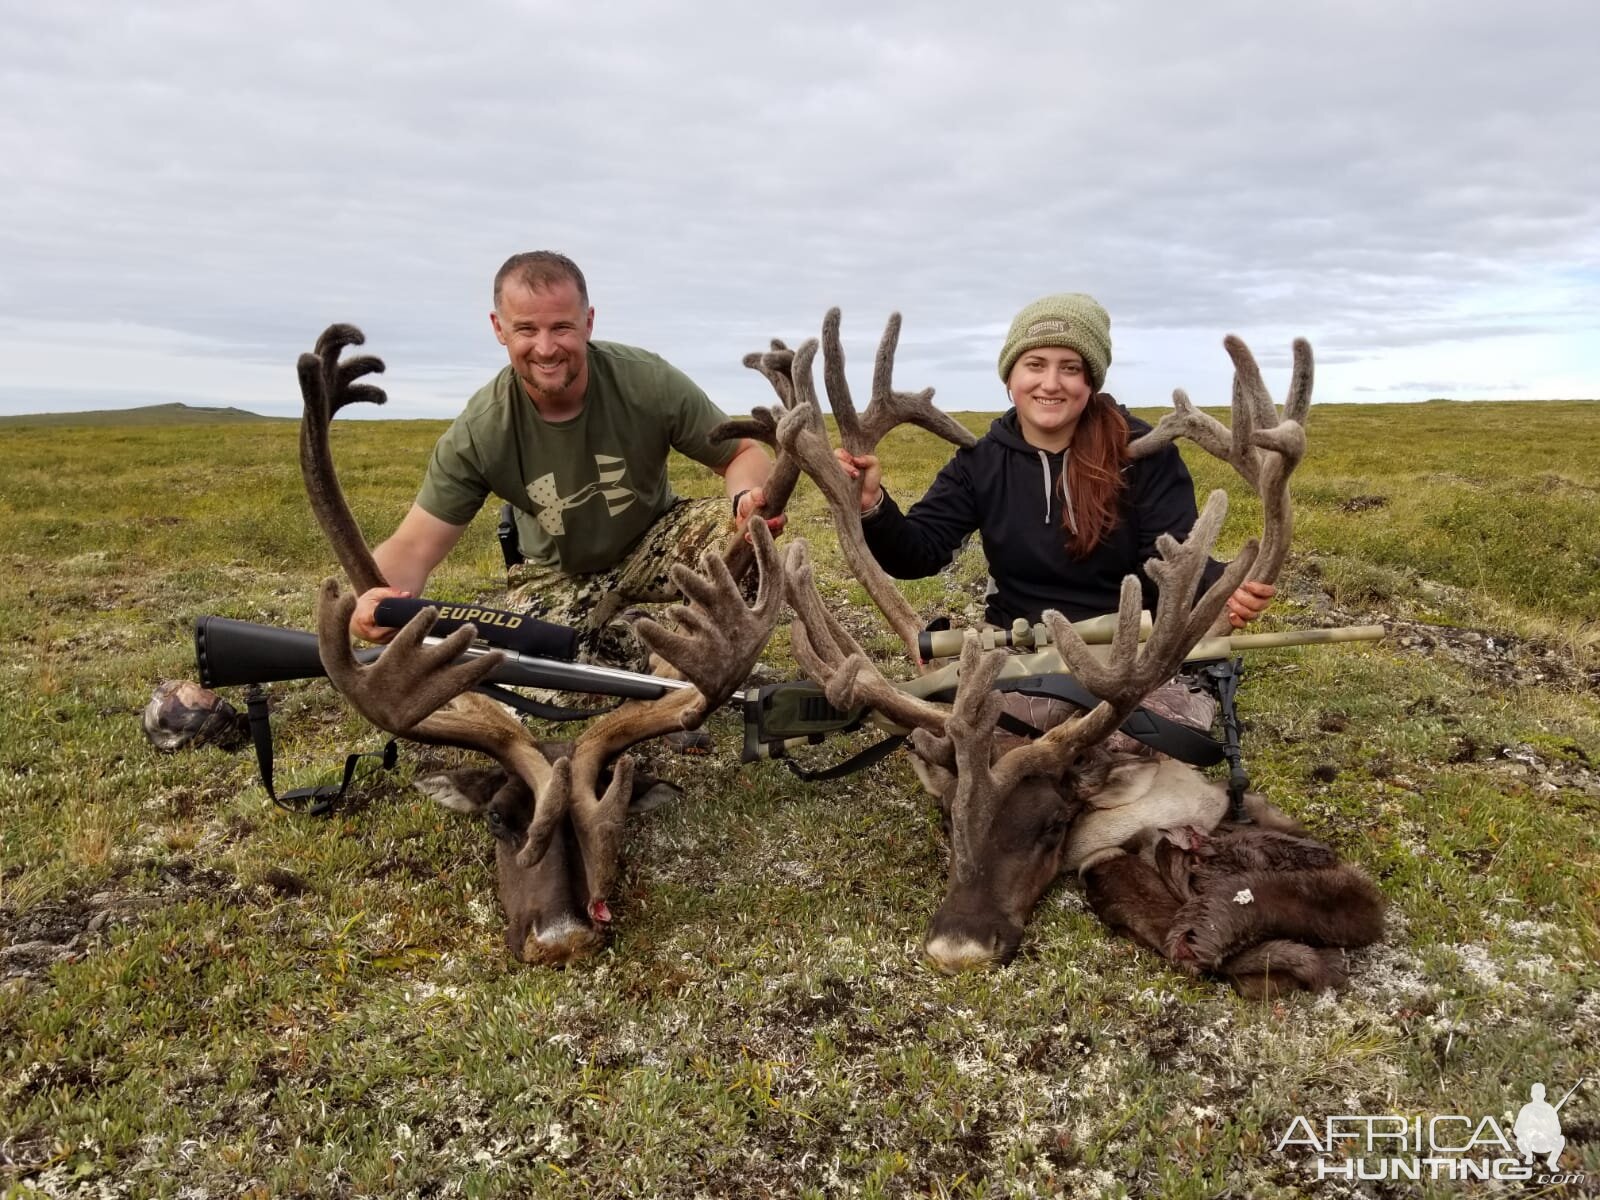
column 1050, row 388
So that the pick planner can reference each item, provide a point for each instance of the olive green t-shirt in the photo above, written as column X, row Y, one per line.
column 584, row 489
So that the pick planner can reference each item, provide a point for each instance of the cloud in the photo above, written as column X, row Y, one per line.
column 1440, row 387
column 1395, row 182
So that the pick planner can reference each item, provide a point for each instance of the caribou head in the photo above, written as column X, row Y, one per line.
column 556, row 810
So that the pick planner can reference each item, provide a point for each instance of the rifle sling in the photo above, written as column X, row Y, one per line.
column 310, row 801
column 321, row 801
column 555, row 713
column 1169, row 737
column 858, row 761
column 1172, row 738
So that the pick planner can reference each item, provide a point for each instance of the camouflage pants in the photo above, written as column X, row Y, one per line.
column 599, row 605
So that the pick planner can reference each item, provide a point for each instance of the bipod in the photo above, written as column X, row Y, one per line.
column 1222, row 678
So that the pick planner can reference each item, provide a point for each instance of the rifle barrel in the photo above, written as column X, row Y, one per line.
column 1221, row 647
column 1570, row 1090
column 1097, row 631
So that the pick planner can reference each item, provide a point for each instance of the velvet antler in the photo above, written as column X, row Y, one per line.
column 1262, row 447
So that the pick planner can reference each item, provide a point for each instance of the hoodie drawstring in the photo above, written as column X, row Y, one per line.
column 1066, row 492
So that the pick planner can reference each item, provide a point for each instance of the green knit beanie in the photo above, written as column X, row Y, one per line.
column 1071, row 320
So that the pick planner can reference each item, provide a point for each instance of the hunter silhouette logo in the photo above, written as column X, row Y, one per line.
column 1538, row 1127
column 551, row 504
column 1446, row 1146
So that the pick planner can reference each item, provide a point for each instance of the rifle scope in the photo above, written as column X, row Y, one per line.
column 1097, row 631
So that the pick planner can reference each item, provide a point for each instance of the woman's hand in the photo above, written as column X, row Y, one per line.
column 865, row 468
column 1249, row 602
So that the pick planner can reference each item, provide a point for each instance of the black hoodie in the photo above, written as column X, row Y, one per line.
column 1012, row 494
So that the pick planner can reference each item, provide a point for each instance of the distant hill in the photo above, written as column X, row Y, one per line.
column 149, row 414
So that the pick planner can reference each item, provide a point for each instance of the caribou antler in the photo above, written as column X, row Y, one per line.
column 830, row 656
column 715, row 644
column 421, row 693
column 1120, row 679
column 801, row 434
column 411, row 690
column 886, row 408
column 1262, row 447
column 777, row 365
column 327, row 385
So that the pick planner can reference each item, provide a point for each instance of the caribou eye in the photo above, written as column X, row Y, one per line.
column 1052, row 833
column 498, row 826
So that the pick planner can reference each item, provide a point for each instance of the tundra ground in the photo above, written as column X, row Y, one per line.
column 201, row 995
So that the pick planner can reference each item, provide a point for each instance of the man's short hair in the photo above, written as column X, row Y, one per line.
column 540, row 269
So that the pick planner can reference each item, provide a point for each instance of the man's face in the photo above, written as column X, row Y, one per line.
column 546, row 333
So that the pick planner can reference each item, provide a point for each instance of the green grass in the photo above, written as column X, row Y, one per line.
column 175, row 1021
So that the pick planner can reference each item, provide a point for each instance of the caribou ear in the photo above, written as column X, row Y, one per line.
column 935, row 779
column 650, row 794
column 467, row 790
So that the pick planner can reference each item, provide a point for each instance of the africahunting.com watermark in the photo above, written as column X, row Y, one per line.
column 1442, row 1146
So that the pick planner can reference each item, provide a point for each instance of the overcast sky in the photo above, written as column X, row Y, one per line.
column 192, row 191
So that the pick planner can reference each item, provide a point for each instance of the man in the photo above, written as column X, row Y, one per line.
column 575, row 434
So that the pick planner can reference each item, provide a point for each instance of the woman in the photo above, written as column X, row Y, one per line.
column 1063, row 512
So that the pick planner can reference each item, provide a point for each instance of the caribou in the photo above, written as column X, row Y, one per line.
column 1263, row 905
column 557, row 810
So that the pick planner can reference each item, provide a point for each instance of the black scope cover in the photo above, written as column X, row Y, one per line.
column 508, row 630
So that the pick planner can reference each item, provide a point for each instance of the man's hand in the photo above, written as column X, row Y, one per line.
column 748, row 503
column 1249, row 602
column 865, row 468
column 362, row 622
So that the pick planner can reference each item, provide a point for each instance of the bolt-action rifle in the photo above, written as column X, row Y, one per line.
column 233, row 652
column 534, row 654
column 785, row 716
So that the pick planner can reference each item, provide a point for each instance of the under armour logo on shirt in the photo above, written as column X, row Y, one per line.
column 542, row 491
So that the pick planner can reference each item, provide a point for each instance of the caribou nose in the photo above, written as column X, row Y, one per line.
column 562, row 941
column 953, row 951
column 951, row 954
